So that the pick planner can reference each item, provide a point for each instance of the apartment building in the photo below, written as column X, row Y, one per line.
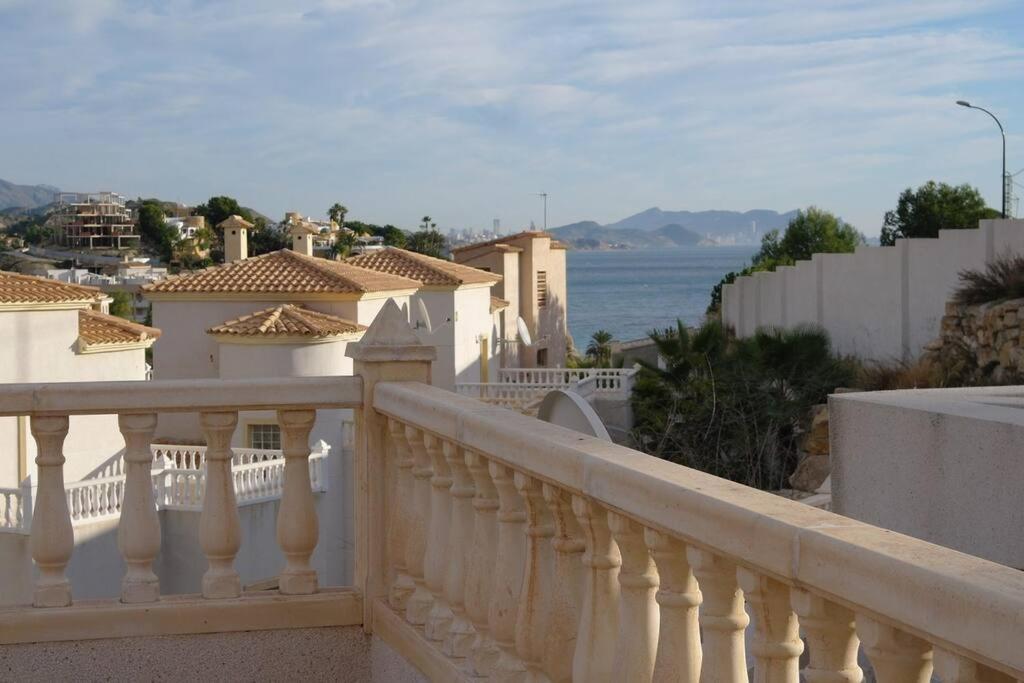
column 96, row 220
column 532, row 267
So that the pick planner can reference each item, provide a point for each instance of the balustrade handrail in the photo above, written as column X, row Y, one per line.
column 179, row 396
column 927, row 591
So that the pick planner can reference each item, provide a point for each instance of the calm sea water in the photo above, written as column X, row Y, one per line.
column 630, row 292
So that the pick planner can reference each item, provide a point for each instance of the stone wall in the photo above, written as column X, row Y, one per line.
column 984, row 338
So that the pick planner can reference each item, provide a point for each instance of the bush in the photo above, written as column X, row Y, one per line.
column 1002, row 278
column 735, row 408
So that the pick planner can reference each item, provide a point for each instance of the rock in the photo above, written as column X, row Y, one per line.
column 815, row 440
column 1010, row 318
column 811, row 473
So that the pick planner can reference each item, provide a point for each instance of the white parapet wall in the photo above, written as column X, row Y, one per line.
column 943, row 465
column 879, row 303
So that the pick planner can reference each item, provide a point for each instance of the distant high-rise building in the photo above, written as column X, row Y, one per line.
column 96, row 220
column 497, row 226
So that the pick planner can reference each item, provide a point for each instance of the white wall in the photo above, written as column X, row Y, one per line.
column 42, row 346
column 942, row 465
column 880, row 303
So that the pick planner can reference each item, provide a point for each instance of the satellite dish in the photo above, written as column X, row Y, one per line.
column 524, row 331
column 570, row 410
column 424, row 316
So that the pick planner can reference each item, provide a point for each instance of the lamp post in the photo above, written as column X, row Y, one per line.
column 1002, row 178
column 545, row 196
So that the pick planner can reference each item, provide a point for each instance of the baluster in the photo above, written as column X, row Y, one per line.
column 138, row 532
column 639, row 616
column 535, row 597
column 679, row 653
column 508, row 578
column 567, row 586
column 419, row 603
column 832, row 642
column 219, row 530
column 403, row 585
column 594, row 658
column 52, row 538
column 776, row 646
column 952, row 668
column 897, row 656
column 297, row 525
column 439, row 618
column 722, row 617
column 480, row 563
column 459, row 639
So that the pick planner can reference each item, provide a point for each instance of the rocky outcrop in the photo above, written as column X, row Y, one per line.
column 814, row 466
column 984, row 338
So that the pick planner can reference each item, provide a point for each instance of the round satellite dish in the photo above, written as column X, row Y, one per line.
column 524, row 331
column 570, row 410
column 424, row 316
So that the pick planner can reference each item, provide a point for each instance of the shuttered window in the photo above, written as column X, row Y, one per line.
column 542, row 289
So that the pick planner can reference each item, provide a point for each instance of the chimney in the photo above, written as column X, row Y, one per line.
column 302, row 239
column 236, row 238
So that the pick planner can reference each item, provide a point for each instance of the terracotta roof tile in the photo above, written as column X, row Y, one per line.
column 16, row 288
column 497, row 304
column 283, row 272
column 287, row 320
column 95, row 328
column 503, row 241
column 425, row 270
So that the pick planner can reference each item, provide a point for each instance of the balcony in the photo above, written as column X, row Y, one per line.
column 491, row 546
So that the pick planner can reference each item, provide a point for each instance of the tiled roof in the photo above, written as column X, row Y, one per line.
column 235, row 220
column 503, row 241
column 282, row 272
column 423, row 269
column 497, row 304
column 287, row 320
column 95, row 328
column 16, row 288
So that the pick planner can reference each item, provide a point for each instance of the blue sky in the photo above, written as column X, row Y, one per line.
column 463, row 109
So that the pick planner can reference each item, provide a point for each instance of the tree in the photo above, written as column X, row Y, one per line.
column 337, row 212
column 218, row 209
column 933, row 207
column 121, row 305
column 343, row 244
column 156, row 234
column 267, row 238
column 813, row 231
column 600, row 348
column 429, row 242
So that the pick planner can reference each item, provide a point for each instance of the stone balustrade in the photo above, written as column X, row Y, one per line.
column 492, row 546
column 610, row 380
column 582, row 560
column 217, row 487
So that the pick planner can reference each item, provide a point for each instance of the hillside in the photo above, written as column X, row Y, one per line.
column 655, row 227
column 25, row 196
column 590, row 235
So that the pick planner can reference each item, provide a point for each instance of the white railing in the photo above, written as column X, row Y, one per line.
column 517, row 396
column 12, row 510
column 606, row 379
column 521, row 550
column 93, row 500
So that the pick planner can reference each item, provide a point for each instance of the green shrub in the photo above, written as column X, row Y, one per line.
column 1002, row 278
column 735, row 408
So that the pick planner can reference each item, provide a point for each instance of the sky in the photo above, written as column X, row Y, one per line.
column 464, row 110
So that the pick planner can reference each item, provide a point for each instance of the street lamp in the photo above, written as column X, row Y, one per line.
column 1002, row 178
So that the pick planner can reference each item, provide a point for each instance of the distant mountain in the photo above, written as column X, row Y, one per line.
column 591, row 235
column 25, row 196
column 654, row 227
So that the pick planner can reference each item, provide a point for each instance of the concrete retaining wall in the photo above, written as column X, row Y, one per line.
column 880, row 303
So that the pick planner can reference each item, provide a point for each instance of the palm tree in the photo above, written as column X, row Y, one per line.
column 343, row 244
column 600, row 348
column 337, row 212
column 426, row 223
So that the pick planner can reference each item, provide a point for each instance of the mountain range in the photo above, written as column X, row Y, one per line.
column 655, row 227
column 25, row 197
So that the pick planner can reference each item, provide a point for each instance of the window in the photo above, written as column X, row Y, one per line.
column 265, row 436
column 542, row 288
column 542, row 358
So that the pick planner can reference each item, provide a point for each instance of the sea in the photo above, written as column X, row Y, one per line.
column 631, row 292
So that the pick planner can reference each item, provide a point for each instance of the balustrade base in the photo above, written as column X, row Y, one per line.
column 418, row 606
column 439, row 621
column 57, row 594
column 398, row 596
column 221, row 586
column 298, row 582
column 140, row 591
column 459, row 640
column 411, row 643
